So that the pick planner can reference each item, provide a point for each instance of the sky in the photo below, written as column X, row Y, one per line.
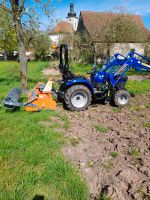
column 61, row 8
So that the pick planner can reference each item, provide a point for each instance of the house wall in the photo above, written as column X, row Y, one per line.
column 56, row 38
column 124, row 48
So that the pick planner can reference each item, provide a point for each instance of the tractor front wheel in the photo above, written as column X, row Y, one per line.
column 121, row 98
column 77, row 98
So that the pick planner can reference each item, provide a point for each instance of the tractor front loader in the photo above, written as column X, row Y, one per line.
column 77, row 92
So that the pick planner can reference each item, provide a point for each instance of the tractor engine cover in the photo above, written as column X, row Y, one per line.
column 98, row 78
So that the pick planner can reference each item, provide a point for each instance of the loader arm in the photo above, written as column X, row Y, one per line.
column 117, row 59
column 141, row 63
column 132, row 61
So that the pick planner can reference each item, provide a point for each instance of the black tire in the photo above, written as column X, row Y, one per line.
column 121, row 98
column 71, row 96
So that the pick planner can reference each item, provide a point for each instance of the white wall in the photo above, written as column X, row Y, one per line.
column 73, row 21
column 56, row 38
column 123, row 48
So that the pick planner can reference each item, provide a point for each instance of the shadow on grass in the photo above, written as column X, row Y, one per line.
column 10, row 79
column 38, row 197
column 12, row 110
column 16, row 79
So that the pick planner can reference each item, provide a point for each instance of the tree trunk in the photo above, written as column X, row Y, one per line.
column 94, row 56
column 108, row 51
column 5, row 55
column 22, row 54
column 16, row 13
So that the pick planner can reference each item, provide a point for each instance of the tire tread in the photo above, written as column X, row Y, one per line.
column 69, row 93
column 117, row 94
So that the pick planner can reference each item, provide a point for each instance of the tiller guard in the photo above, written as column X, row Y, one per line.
column 11, row 101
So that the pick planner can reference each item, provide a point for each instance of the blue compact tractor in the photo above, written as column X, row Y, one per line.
column 77, row 92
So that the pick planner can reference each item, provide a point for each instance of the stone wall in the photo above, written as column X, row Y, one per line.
column 124, row 48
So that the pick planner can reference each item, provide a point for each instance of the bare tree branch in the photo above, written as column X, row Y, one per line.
column 25, row 13
column 22, row 5
column 4, row 3
column 5, row 8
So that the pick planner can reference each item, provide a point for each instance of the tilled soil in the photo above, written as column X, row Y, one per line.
column 111, row 148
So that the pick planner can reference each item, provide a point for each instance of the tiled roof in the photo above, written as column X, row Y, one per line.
column 95, row 21
column 62, row 27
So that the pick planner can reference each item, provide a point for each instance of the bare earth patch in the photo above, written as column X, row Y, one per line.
column 111, row 148
column 54, row 122
column 51, row 72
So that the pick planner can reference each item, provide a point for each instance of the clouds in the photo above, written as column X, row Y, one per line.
column 142, row 10
column 139, row 7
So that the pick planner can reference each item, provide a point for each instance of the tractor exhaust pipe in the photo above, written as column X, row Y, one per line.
column 11, row 101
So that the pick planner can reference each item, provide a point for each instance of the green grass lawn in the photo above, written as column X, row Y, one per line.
column 31, row 162
column 82, row 69
column 138, row 87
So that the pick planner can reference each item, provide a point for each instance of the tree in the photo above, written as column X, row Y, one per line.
column 7, row 33
column 117, row 28
column 17, row 8
column 122, row 30
column 41, row 45
column 37, row 40
column 80, row 47
column 147, row 46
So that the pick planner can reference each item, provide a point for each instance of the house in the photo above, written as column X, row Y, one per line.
column 61, row 29
column 92, row 24
column 64, row 27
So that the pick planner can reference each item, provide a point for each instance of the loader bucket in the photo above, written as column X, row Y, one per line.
column 11, row 101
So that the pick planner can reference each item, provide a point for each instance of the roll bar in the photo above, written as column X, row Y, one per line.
column 64, row 65
column 65, row 48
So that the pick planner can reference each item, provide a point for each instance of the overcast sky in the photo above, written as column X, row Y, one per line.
column 141, row 7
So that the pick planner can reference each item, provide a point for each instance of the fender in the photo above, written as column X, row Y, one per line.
column 81, row 81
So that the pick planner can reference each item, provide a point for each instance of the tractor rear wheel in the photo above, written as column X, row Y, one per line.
column 77, row 98
column 121, row 98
